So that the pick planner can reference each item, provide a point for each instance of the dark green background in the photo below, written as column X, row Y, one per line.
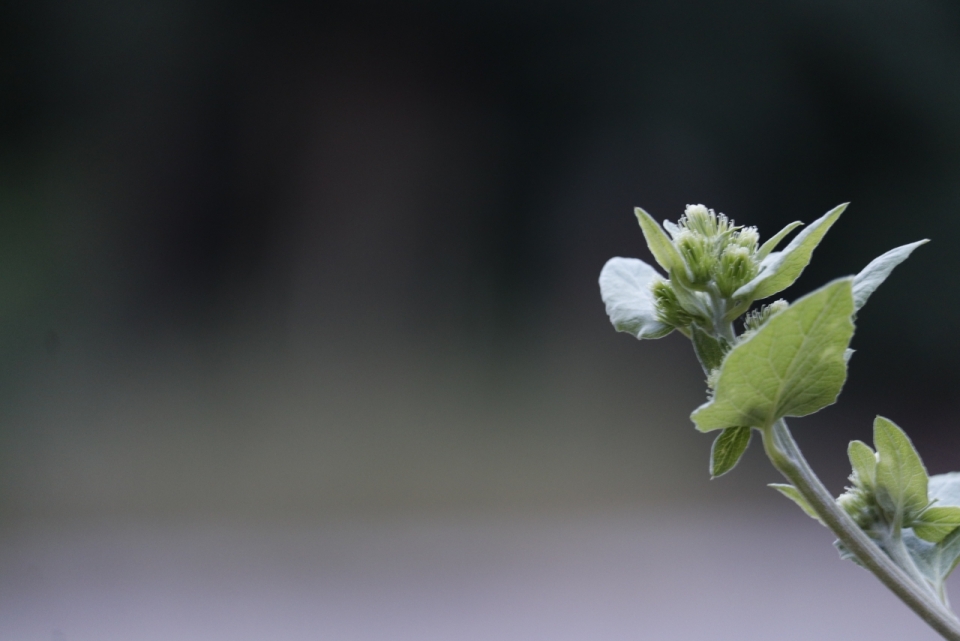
column 261, row 257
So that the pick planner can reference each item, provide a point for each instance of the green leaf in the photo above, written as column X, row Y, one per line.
column 877, row 271
column 792, row 366
column 936, row 522
column 863, row 460
column 709, row 350
column 727, row 449
column 659, row 243
column 794, row 495
column 772, row 243
column 625, row 288
column 780, row 269
column 901, row 477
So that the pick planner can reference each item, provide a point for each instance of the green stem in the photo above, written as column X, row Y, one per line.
column 787, row 458
column 896, row 549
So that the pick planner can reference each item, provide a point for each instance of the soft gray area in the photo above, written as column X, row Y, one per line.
column 606, row 576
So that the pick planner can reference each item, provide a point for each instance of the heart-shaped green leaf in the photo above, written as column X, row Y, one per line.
column 792, row 366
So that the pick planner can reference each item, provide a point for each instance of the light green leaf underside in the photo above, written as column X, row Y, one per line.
column 780, row 269
column 775, row 240
column 792, row 366
column 945, row 488
column 938, row 561
column 659, row 243
column 794, row 495
column 625, row 288
column 877, row 271
column 935, row 560
column 901, row 477
column 863, row 460
column 727, row 449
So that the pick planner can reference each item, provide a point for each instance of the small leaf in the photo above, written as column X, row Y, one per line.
column 794, row 495
column 772, row 243
column 792, row 366
column 877, row 271
column 709, row 350
column 659, row 243
column 936, row 522
column 625, row 288
column 863, row 460
column 901, row 477
column 727, row 449
column 780, row 269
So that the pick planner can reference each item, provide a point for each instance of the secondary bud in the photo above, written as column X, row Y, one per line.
column 669, row 309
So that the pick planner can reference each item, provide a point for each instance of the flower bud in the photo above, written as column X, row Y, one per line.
column 737, row 268
column 861, row 506
column 698, row 253
column 748, row 238
column 698, row 218
column 669, row 309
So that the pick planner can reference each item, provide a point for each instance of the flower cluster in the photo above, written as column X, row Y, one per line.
column 718, row 258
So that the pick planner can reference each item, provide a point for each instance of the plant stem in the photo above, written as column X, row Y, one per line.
column 787, row 458
column 892, row 543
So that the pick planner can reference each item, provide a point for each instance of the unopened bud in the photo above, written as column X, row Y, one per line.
column 737, row 268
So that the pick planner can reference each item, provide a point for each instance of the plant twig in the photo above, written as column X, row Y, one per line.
column 789, row 461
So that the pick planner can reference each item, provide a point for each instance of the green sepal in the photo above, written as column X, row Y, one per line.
column 660, row 245
column 901, row 477
column 877, row 271
column 727, row 449
column 863, row 460
column 792, row 366
column 775, row 240
column 794, row 495
column 779, row 270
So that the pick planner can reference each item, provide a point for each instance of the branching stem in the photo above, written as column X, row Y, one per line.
column 787, row 458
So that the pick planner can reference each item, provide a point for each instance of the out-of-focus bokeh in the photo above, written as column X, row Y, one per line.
column 300, row 335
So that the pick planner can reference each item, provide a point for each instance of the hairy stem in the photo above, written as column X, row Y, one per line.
column 787, row 458
column 892, row 543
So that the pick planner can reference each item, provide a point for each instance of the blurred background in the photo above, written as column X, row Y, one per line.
column 300, row 334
